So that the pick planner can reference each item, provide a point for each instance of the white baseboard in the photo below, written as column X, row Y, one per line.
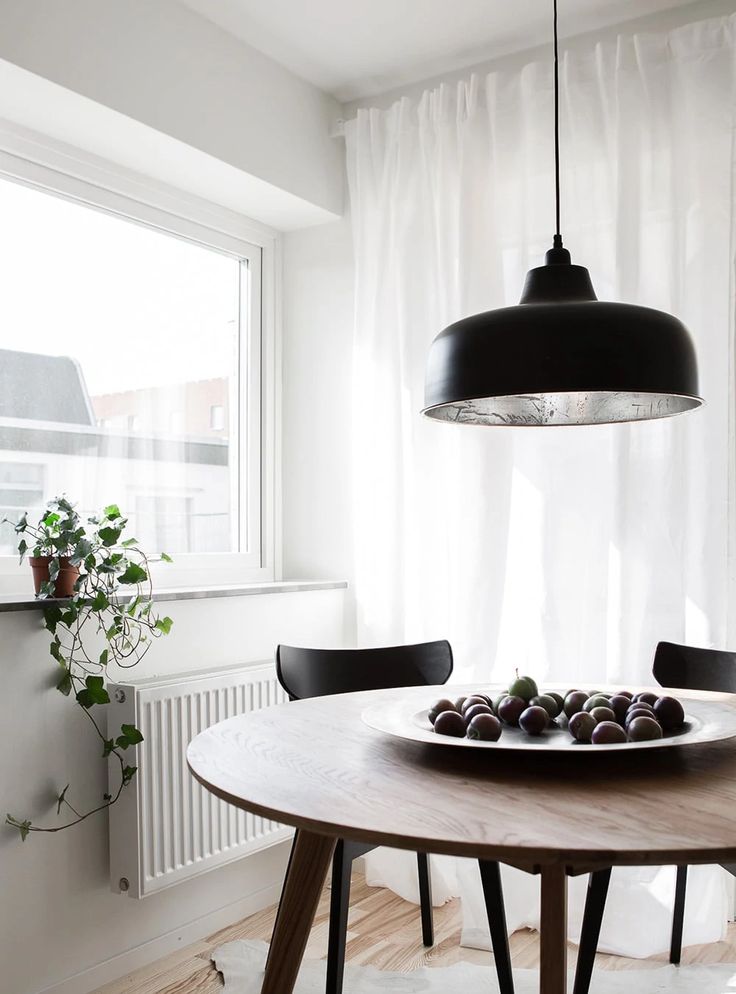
column 133, row 959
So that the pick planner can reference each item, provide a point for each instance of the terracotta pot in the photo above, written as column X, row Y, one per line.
column 64, row 586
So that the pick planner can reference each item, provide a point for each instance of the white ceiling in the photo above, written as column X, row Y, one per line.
column 357, row 48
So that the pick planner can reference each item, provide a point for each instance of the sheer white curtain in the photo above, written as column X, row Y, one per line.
column 566, row 552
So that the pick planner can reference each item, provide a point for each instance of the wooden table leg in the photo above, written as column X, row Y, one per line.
column 553, row 931
column 308, row 866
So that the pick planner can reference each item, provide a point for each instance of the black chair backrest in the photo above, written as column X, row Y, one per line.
column 307, row 673
column 695, row 669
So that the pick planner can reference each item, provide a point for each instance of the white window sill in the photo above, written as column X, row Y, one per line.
column 24, row 602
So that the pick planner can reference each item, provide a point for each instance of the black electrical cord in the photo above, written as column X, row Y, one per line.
column 558, row 237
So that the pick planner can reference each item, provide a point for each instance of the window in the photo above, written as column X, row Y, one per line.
column 123, row 348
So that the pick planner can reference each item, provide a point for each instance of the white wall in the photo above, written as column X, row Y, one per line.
column 58, row 917
column 176, row 73
column 317, row 398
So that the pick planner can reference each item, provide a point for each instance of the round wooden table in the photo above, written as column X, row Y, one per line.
column 315, row 765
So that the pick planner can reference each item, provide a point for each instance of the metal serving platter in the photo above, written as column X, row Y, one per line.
column 708, row 718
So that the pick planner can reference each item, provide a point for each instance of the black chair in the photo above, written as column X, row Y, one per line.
column 688, row 668
column 307, row 673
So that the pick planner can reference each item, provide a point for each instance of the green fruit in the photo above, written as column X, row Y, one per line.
column 523, row 687
column 547, row 702
column 598, row 701
column 557, row 697
column 574, row 702
column 602, row 714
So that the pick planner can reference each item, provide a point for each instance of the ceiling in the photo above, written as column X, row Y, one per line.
column 357, row 48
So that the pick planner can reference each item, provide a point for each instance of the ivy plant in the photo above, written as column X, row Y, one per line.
column 111, row 606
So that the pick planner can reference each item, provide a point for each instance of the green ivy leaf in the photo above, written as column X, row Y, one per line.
column 166, row 558
column 109, row 535
column 112, row 511
column 55, row 650
column 64, row 685
column 23, row 827
column 133, row 574
column 100, row 601
column 93, row 693
column 47, row 590
column 128, row 542
column 128, row 773
column 132, row 734
column 22, row 524
column 164, row 625
column 52, row 616
column 22, row 548
column 60, row 799
column 104, row 657
column 109, row 745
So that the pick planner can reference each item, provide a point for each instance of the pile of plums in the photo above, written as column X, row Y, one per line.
column 599, row 718
column 604, row 719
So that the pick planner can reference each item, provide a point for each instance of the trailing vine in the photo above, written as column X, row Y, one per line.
column 112, row 598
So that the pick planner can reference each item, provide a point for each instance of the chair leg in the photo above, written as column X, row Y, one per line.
column 490, row 876
column 595, row 903
column 425, row 898
column 281, row 896
column 342, row 864
column 678, row 916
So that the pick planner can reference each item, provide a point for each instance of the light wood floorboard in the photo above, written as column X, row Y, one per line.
column 383, row 931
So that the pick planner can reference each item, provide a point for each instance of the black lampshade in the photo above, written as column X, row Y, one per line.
column 561, row 357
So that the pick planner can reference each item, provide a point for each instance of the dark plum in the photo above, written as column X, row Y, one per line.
column 485, row 727
column 459, row 703
column 581, row 726
column 643, row 729
column 607, row 733
column 669, row 712
column 471, row 712
column 450, row 723
column 534, row 720
column 636, row 713
column 438, row 707
column 574, row 702
column 646, row 698
column 619, row 704
column 510, row 708
column 470, row 701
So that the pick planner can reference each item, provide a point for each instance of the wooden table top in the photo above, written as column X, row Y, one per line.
column 315, row 765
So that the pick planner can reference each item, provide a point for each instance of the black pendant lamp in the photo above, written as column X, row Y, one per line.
column 561, row 356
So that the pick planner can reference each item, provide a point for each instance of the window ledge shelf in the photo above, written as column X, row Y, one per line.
column 22, row 602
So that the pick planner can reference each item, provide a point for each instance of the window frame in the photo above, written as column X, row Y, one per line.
column 97, row 184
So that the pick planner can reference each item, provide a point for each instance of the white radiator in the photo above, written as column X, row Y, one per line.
column 166, row 827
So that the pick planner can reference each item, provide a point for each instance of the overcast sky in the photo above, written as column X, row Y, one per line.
column 133, row 305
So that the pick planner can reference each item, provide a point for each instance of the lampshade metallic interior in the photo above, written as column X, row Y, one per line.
column 595, row 407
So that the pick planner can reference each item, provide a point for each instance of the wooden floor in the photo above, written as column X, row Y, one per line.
column 383, row 931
